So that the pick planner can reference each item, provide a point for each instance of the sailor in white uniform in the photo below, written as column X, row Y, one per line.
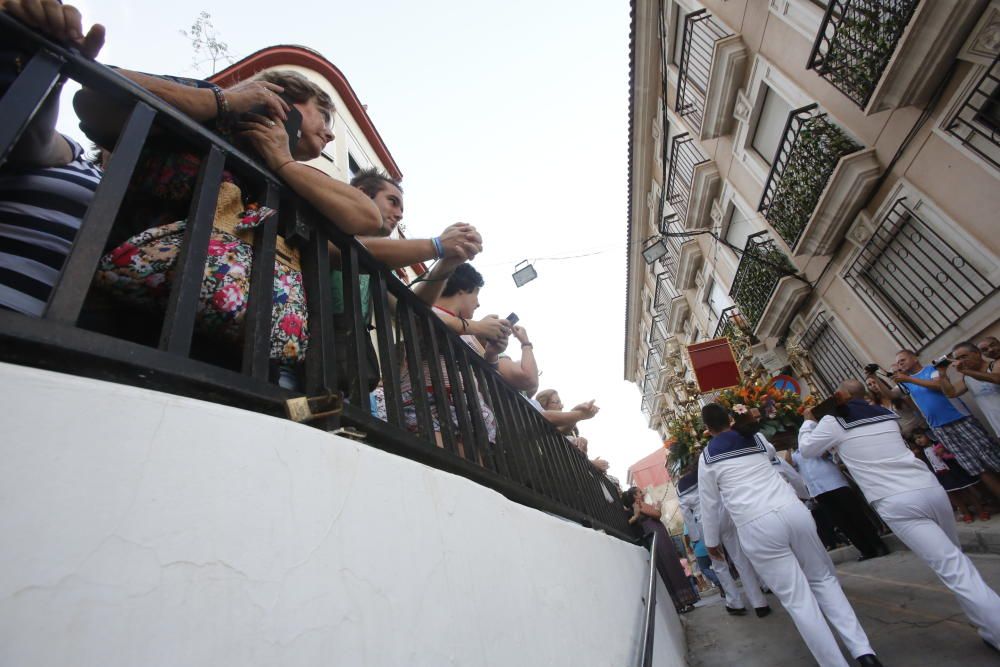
column 779, row 535
column 905, row 494
column 690, row 502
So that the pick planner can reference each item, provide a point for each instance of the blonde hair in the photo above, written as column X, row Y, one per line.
column 544, row 397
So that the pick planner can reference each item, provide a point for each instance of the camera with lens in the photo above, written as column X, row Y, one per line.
column 872, row 369
column 941, row 362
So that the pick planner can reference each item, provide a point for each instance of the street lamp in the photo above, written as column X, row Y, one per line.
column 654, row 251
column 524, row 274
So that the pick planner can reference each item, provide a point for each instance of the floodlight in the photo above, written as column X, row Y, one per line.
column 655, row 251
column 524, row 274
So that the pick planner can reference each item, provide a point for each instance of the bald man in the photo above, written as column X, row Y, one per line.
column 990, row 347
column 906, row 495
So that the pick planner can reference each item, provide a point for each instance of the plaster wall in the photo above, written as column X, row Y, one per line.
column 141, row 528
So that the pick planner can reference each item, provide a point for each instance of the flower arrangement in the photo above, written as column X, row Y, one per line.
column 686, row 438
column 779, row 410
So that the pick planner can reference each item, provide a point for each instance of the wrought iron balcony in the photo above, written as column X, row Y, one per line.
column 832, row 360
column 701, row 34
column 977, row 123
column 756, row 281
column 810, row 149
column 855, row 42
column 731, row 324
column 914, row 281
column 529, row 462
column 665, row 293
column 684, row 157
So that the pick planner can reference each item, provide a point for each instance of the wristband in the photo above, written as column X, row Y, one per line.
column 524, row 345
column 221, row 104
column 438, row 248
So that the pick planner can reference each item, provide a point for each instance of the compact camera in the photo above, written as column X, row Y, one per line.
column 941, row 362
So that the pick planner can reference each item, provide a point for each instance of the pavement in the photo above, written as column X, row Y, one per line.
column 911, row 619
column 978, row 537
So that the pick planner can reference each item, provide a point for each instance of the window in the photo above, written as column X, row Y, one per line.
column 738, row 228
column 771, row 124
column 833, row 361
column 717, row 299
column 976, row 123
column 352, row 166
column 677, row 48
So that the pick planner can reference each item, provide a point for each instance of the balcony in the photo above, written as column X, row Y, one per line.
column 692, row 182
column 977, row 123
column 712, row 65
column 855, row 42
column 529, row 461
column 914, row 281
column 818, row 181
column 731, row 324
column 766, row 298
column 884, row 54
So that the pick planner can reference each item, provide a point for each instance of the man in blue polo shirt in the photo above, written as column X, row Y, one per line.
column 962, row 435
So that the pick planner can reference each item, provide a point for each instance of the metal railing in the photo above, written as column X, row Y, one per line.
column 755, row 281
column 701, row 33
column 977, row 123
column 684, row 157
column 730, row 323
column 649, row 613
column 810, row 148
column 665, row 293
column 530, row 462
column 855, row 42
column 832, row 360
column 670, row 261
column 915, row 282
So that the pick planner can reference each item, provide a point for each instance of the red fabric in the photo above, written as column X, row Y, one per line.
column 649, row 470
column 714, row 364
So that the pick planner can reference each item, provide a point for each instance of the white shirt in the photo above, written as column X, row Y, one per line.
column 792, row 476
column 987, row 396
column 747, row 486
column 821, row 474
column 875, row 454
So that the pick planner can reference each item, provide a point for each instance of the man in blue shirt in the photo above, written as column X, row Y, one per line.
column 962, row 435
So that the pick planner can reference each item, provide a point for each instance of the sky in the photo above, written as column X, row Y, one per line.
column 510, row 116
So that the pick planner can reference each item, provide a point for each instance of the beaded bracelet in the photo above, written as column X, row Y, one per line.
column 221, row 103
column 438, row 248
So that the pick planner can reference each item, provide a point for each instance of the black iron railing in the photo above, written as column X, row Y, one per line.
column 530, row 462
column 755, row 281
column 832, row 360
column 731, row 323
column 670, row 260
column 977, row 123
column 665, row 293
column 684, row 157
column 855, row 42
column 810, row 148
column 701, row 33
column 915, row 282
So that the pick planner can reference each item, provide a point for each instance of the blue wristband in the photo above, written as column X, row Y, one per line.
column 438, row 248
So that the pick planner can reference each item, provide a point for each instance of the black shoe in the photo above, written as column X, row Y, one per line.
column 868, row 660
column 734, row 611
column 762, row 611
column 882, row 551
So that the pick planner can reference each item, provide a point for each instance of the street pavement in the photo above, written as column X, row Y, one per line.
column 911, row 620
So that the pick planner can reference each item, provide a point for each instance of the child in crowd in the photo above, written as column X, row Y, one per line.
column 950, row 474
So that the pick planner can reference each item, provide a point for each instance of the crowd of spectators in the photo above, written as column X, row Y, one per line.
column 283, row 120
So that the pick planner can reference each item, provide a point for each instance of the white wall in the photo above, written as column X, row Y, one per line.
column 140, row 528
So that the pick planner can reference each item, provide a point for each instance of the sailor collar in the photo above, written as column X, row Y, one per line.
column 731, row 445
column 856, row 413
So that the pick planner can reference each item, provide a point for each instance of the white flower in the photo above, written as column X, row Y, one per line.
column 740, row 409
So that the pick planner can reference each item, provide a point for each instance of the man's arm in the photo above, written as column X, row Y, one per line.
column 984, row 376
column 460, row 242
column 711, row 505
column 949, row 388
column 920, row 382
column 430, row 285
column 523, row 374
column 40, row 145
column 815, row 439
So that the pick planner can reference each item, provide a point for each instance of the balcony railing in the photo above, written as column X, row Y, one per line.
column 701, row 32
column 977, row 123
column 731, row 323
column 810, row 149
column 833, row 362
column 530, row 462
column 914, row 281
column 855, row 42
column 684, row 157
column 665, row 292
column 755, row 281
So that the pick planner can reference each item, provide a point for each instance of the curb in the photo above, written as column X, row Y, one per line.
column 973, row 538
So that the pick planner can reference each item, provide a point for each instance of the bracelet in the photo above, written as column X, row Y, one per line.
column 438, row 248
column 524, row 345
column 221, row 103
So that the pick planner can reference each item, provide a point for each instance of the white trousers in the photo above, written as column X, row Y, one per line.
column 789, row 557
column 924, row 521
column 751, row 585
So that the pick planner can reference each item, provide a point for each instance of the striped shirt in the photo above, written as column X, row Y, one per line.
column 41, row 209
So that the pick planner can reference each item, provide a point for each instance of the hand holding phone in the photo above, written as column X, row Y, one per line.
column 512, row 318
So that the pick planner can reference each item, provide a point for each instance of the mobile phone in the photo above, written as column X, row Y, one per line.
column 512, row 318
column 293, row 124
